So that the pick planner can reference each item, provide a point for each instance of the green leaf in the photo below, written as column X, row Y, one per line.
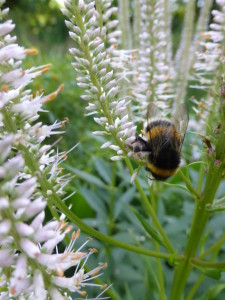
column 103, row 170
column 123, row 200
column 86, row 176
column 128, row 292
column 94, row 201
column 198, row 162
column 204, row 239
column 179, row 186
column 212, row 273
column 213, row 292
column 150, row 230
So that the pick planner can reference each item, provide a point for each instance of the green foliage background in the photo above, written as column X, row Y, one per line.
column 103, row 188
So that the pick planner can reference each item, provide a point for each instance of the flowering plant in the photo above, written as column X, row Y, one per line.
column 31, row 264
column 121, row 72
column 125, row 65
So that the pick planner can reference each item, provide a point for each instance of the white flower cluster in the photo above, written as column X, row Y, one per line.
column 100, row 69
column 209, row 59
column 31, row 266
column 103, row 15
column 95, row 65
column 153, row 82
column 109, row 74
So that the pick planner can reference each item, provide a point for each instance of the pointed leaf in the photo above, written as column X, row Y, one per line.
column 86, row 176
column 150, row 230
column 214, row 291
column 94, row 201
column 212, row 273
column 123, row 200
column 103, row 170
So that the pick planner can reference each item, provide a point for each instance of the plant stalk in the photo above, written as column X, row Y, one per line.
column 201, row 216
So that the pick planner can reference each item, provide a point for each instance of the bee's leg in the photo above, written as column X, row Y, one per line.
column 139, row 145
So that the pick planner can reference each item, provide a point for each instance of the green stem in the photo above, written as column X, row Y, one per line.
column 202, row 25
column 183, row 53
column 199, row 222
column 195, row 287
column 146, row 204
column 114, row 133
column 105, row 238
column 218, row 201
column 11, row 127
column 99, row 10
column 200, row 179
column 201, row 215
column 46, row 186
column 202, row 277
column 112, row 201
column 168, row 30
column 214, row 247
column 159, row 265
column 160, row 275
column 34, row 167
column 124, row 16
column 151, row 85
column 189, row 186
column 208, row 264
column 95, row 80
column 137, row 24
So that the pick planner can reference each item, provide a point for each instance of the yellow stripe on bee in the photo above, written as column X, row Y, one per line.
column 161, row 172
column 158, row 130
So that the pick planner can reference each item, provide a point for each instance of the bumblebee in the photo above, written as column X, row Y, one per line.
column 162, row 141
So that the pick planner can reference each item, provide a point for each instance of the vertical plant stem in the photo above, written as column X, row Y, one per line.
column 199, row 222
column 152, row 86
column 124, row 16
column 200, row 179
column 189, row 186
column 146, row 204
column 112, row 200
column 183, row 53
column 201, row 26
column 214, row 247
column 195, row 287
column 159, row 264
column 201, row 277
column 136, row 26
column 168, row 29
column 11, row 127
column 201, row 215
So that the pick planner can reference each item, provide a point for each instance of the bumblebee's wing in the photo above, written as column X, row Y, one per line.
column 180, row 121
column 152, row 112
